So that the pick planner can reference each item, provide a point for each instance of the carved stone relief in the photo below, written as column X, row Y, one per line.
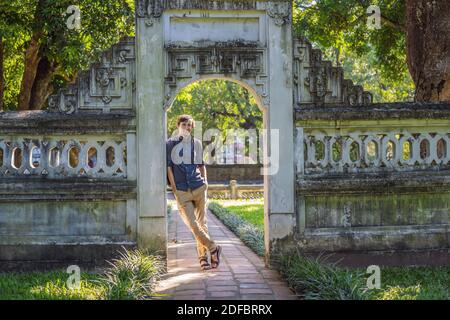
column 280, row 11
column 146, row 8
column 318, row 82
column 107, row 85
column 247, row 65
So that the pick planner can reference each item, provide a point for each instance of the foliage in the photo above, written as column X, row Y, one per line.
column 68, row 49
column 375, row 58
column 316, row 279
column 216, row 104
column 133, row 276
column 249, row 234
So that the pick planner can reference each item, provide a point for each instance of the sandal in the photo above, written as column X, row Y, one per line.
column 204, row 264
column 215, row 257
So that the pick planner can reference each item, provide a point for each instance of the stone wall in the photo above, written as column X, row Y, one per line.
column 373, row 183
column 67, row 188
column 243, row 173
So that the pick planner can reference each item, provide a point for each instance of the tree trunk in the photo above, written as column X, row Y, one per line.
column 42, row 87
column 428, row 44
column 32, row 60
column 2, row 79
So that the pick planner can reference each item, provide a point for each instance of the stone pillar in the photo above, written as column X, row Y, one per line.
column 279, row 187
column 233, row 189
column 151, row 204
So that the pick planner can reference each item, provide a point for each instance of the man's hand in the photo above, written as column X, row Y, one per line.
column 172, row 180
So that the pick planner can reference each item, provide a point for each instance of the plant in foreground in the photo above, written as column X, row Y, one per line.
column 318, row 279
column 132, row 276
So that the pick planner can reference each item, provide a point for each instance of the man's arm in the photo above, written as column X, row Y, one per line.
column 202, row 169
column 199, row 159
column 171, row 179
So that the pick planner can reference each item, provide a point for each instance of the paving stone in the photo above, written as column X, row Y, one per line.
column 190, row 292
column 187, row 297
column 253, row 286
column 224, row 294
column 256, row 291
column 221, row 288
column 220, row 282
column 257, row 297
column 191, row 286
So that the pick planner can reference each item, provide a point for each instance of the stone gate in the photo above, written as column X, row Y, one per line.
column 365, row 181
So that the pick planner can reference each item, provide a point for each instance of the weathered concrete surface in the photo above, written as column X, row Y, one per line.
column 439, row 257
column 44, row 123
column 63, row 221
column 377, row 111
column 48, row 221
column 35, row 188
column 390, row 209
column 243, row 173
column 151, row 161
column 26, row 258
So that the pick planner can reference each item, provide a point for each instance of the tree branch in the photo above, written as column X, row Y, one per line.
column 393, row 24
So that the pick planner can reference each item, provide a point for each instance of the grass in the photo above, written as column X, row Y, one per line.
column 249, row 233
column 48, row 286
column 414, row 283
column 252, row 211
column 314, row 279
column 317, row 279
column 130, row 277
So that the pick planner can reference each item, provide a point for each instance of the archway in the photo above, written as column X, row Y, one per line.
column 245, row 143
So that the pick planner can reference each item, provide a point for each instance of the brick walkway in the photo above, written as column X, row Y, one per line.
column 241, row 274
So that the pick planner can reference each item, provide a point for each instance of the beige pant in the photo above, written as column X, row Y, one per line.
column 191, row 205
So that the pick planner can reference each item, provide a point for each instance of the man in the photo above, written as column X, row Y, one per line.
column 187, row 176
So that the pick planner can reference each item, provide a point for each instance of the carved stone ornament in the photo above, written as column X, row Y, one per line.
column 106, row 85
column 280, row 11
column 249, row 66
column 317, row 81
column 149, row 9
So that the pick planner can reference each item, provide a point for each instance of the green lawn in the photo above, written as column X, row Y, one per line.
column 132, row 276
column 251, row 211
column 421, row 283
column 48, row 286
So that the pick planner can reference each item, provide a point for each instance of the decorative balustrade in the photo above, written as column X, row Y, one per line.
column 62, row 157
column 375, row 151
column 340, row 140
column 57, row 146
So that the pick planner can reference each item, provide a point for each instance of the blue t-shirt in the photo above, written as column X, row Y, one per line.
column 185, row 168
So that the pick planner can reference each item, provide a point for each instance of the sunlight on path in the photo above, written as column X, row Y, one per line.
column 242, row 275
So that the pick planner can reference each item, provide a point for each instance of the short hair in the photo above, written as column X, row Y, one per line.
column 184, row 118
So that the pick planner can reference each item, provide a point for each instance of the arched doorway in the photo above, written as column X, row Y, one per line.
column 230, row 122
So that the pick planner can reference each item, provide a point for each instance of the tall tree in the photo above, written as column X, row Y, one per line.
column 428, row 40
column 2, row 80
column 52, row 50
column 414, row 34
